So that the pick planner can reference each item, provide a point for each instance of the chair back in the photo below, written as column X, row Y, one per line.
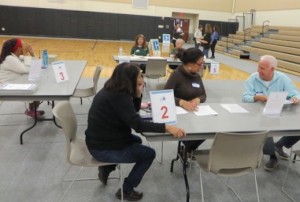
column 96, row 78
column 156, row 68
column 77, row 152
column 236, row 154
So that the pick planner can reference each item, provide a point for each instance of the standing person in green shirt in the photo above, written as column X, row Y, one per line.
column 140, row 48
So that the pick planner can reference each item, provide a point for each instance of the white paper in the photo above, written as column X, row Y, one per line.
column 205, row 111
column 12, row 86
column 275, row 103
column 234, row 108
column 60, row 71
column 180, row 110
column 214, row 68
column 288, row 102
column 35, row 69
column 17, row 89
column 163, row 106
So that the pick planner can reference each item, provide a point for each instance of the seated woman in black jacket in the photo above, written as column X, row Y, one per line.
column 111, row 117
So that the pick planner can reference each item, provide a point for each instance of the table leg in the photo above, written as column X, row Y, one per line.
column 36, row 120
column 183, row 158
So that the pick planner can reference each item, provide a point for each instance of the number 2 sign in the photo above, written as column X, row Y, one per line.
column 163, row 106
column 60, row 71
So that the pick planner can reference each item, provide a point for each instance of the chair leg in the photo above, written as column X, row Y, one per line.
column 81, row 101
column 121, row 181
column 201, row 184
column 70, row 185
column 256, row 187
column 232, row 190
column 284, row 181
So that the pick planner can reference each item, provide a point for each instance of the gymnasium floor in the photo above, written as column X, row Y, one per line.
column 33, row 172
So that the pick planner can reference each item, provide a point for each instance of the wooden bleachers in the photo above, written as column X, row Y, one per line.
column 279, row 48
column 279, row 41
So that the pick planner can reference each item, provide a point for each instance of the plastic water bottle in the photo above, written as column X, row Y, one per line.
column 45, row 59
column 120, row 51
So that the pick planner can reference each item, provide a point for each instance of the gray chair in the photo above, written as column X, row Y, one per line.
column 231, row 155
column 155, row 68
column 88, row 92
column 296, row 153
column 77, row 152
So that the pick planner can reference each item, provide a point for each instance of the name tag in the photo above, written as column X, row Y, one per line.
column 196, row 85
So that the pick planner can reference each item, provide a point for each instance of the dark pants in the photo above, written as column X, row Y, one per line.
column 212, row 48
column 288, row 141
column 136, row 153
column 192, row 145
column 205, row 52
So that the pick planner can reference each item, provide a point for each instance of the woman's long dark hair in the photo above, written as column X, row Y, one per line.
column 6, row 48
column 124, row 79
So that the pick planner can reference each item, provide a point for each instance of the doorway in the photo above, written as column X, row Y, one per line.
column 190, row 22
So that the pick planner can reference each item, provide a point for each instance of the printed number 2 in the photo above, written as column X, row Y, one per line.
column 62, row 77
column 165, row 111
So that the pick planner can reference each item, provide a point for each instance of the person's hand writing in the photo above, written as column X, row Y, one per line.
column 195, row 101
column 175, row 131
column 188, row 105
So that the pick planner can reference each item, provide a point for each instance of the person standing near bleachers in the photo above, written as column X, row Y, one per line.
column 214, row 40
column 206, row 39
column 198, row 36
column 257, row 89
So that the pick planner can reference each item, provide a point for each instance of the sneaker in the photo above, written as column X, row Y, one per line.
column 104, row 172
column 39, row 114
column 132, row 196
column 281, row 153
column 271, row 165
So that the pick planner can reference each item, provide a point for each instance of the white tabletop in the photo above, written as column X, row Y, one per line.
column 48, row 88
column 222, row 91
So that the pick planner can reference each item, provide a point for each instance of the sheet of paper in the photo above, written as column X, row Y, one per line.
column 288, row 102
column 205, row 111
column 275, row 103
column 180, row 110
column 234, row 108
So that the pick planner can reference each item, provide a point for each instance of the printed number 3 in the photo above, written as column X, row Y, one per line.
column 165, row 111
column 62, row 77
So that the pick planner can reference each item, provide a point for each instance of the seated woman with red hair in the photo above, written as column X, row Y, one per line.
column 11, row 67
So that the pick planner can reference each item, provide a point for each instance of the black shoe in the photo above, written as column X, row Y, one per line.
column 212, row 57
column 104, row 172
column 132, row 196
column 281, row 153
column 271, row 164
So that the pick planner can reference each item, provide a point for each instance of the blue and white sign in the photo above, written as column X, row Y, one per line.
column 166, row 38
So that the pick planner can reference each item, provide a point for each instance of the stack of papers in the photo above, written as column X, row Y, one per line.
column 205, row 111
column 11, row 88
column 234, row 108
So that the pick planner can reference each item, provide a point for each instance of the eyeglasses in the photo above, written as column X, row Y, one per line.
column 200, row 64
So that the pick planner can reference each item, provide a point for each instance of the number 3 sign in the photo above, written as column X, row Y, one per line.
column 60, row 71
column 163, row 106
